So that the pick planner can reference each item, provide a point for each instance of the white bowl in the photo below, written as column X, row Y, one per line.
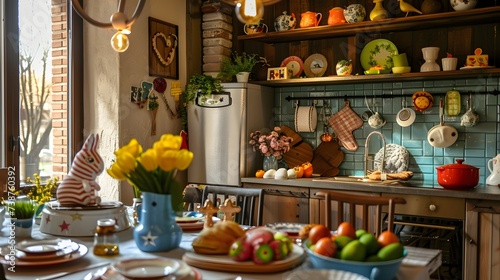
column 401, row 69
column 405, row 117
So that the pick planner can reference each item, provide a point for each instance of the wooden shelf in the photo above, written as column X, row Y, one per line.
column 411, row 23
column 417, row 76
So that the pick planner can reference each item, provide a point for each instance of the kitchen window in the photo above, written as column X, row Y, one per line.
column 41, row 121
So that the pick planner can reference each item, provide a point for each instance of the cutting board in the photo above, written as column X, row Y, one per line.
column 226, row 263
column 327, row 158
column 300, row 151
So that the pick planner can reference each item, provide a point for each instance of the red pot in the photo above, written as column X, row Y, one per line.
column 458, row 176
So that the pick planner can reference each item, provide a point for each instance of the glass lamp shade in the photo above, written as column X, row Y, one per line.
column 120, row 41
column 250, row 11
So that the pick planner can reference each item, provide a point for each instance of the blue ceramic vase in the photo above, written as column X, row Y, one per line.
column 157, row 229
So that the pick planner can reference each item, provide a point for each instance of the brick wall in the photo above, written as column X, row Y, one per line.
column 59, row 89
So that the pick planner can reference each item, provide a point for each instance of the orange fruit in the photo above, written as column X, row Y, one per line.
column 318, row 232
column 386, row 238
column 346, row 229
column 260, row 173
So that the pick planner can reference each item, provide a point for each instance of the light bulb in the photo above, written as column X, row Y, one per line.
column 250, row 11
column 119, row 41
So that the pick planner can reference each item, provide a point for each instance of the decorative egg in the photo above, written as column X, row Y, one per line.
column 269, row 174
column 281, row 174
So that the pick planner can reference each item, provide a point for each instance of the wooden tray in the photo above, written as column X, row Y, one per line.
column 225, row 263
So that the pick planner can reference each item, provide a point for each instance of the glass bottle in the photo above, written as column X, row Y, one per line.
column 105, row 239
column 136, row 206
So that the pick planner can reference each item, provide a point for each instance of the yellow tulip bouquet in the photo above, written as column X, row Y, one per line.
column 154, row 169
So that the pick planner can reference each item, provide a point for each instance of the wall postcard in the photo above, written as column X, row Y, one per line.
column 163, row 51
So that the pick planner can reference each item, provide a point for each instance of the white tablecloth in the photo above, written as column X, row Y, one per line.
column 128, row 250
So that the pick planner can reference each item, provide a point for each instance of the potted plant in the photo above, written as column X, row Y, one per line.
column 198, row 85
column 21, row 210
column 239, row 66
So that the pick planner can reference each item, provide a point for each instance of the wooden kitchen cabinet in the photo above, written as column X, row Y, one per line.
column 284, row 204
column 482, row 240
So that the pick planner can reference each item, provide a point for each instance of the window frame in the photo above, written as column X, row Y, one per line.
column 10, row 85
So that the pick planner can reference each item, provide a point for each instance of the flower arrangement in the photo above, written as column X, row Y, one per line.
column 153, row 170
column 276, row 143
column 41, row 192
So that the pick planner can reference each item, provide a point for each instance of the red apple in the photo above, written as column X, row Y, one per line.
column 259, row 236
column 241, row 250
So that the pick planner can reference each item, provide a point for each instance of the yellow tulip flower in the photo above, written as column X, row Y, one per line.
column 148, row 160
column 184, row 159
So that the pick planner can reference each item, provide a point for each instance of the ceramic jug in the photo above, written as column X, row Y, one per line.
column 310, row 19
column 355, row 13
column 336, row 16
column 494, row 167
column 285, row 22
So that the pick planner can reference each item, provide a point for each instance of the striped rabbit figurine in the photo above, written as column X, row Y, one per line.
column 79, row 186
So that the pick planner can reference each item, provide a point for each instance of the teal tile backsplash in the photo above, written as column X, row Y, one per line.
column 475, row 144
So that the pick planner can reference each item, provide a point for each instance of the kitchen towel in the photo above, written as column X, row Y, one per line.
column 344, row 122
column 306, row 118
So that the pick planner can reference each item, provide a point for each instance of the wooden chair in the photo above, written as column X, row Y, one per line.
column 364, row 202
column 250, row 200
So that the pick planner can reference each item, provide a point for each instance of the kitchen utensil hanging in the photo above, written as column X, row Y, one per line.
column 405, row 116
column 306, row 118
column 375, row 120
column 441, row 135
column 326, row 110
column 344, row 122
column 470, row 118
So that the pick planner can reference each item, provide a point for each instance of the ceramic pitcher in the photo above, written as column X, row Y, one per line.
column 310, row 19
column 336, row 16
column 494, row 167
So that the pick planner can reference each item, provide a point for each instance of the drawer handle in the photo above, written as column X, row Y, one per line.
column 432, row 207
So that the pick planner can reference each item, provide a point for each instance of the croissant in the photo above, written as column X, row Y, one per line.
column 218, row 239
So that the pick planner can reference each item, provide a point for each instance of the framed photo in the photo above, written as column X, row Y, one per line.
column 163, row 49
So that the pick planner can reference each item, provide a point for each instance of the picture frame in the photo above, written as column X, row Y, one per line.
column 163, row 49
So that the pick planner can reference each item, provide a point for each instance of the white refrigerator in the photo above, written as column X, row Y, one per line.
column 219, row 131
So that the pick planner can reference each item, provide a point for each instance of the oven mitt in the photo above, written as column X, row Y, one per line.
column 344, row 122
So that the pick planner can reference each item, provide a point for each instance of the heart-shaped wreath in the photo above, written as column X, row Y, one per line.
column 171, row 45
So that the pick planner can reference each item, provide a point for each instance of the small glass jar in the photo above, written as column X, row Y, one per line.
column 105, row 239
column 136, row 206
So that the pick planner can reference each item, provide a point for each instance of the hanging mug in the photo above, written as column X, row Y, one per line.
column 310, row 19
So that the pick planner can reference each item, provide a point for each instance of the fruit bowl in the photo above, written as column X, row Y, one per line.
column 372, row 270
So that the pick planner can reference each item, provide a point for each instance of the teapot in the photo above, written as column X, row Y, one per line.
column 376, row 120
column 285, row 22
column 336, row 16
column 310, row 19
column 494, row 167
column 355, row 13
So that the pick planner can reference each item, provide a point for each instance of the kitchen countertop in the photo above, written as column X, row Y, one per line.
column 409, row 187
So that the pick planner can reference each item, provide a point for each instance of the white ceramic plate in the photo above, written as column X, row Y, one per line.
column 185, row 272
column 53, row 255
column 378, row 52
column 315, row 65
column 80, row 253
column 146, row 268
column 324, row 274
column 44, row 246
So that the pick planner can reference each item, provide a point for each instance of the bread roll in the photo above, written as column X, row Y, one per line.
column 218, row 239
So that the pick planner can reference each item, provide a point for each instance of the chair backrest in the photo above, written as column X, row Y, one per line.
column 364, row 202
column 251, row 201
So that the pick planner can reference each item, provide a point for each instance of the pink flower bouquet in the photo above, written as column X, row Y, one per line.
column 276, row 143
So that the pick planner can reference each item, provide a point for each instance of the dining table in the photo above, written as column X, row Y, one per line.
column 89, row 265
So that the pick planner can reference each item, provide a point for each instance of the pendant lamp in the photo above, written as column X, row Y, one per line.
column 250, row 11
